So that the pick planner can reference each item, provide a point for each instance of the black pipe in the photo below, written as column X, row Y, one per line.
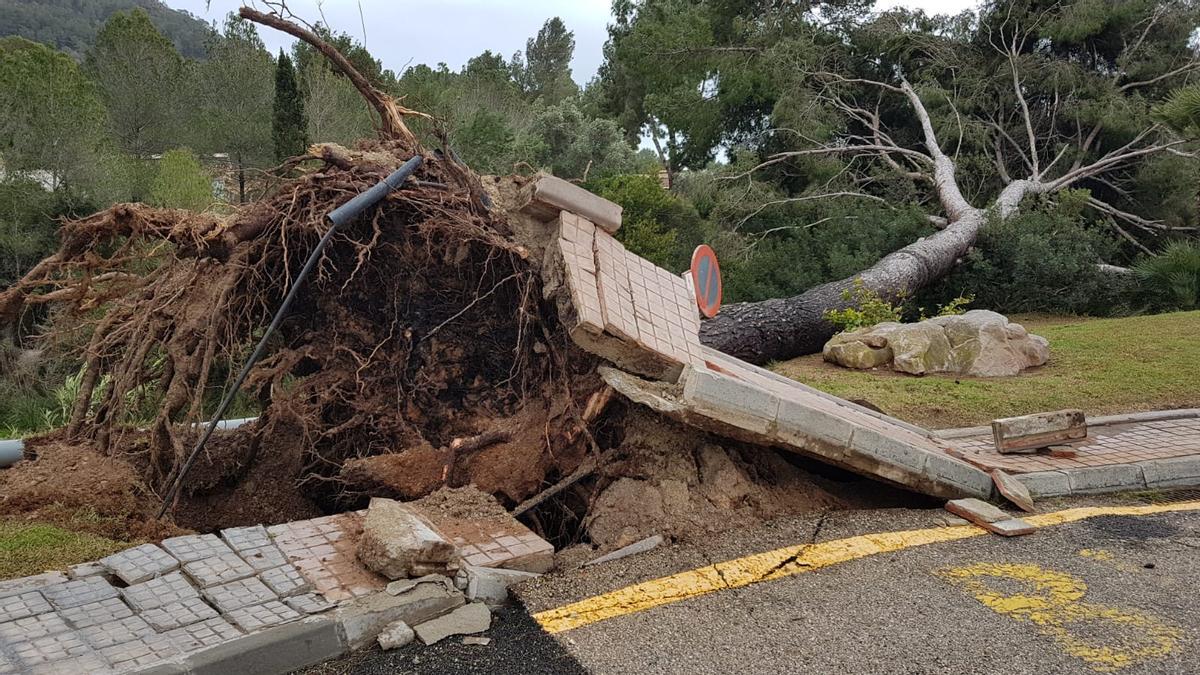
column 342, row 214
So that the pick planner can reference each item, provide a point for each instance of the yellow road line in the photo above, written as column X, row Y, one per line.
column 785, row 562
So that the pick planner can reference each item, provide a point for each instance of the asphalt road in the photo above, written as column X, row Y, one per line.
column 1104, row 594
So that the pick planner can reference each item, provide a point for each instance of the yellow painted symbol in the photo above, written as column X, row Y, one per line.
column 1106, row 638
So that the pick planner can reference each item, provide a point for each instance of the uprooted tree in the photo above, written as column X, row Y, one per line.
column 425, row 350
column 973, row 118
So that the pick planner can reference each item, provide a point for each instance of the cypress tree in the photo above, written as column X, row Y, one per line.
column 289, row 128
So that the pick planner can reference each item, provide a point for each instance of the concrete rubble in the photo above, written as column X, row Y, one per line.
column 398, row 543
column 466, row 620
column 396, row 635
column 989, row 517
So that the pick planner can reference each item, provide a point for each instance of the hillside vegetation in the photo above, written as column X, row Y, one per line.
column 71, row 25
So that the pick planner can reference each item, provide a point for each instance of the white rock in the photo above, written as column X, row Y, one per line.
column 466, row 620
column 490, row 585
column 396, row 635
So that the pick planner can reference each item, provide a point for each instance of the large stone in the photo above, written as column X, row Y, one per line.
column 979, row 343
column 398, row 543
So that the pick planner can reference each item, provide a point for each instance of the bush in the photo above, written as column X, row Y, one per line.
column 867, row 310
column 181, row 182
column 1171, row 279
column 655, row 223
column 1038, row 261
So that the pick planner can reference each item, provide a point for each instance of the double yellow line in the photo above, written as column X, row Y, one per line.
column 785, row 562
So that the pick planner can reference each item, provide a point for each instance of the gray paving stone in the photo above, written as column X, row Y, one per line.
column 238, row 594
column 195, row 547
column 266, row 615
column 93, row 613
column 140, row 563
column 158, row 592
column 141, row 653
column 79, row 592
column 117, row 632
column 246, row 538
column 309, row 603
column 25, row 584
column 731, row 401
column 264, row 557
column 177, row 614
column 218, row 570
column 7, row 666
column 57, row 647
column 91, row 663
column 20, row 606
column 285, row 581
column 204, row 634
column 32, row 627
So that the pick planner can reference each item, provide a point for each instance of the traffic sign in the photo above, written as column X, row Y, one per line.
column 706, row 280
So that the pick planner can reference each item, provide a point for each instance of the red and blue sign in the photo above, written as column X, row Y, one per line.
column 706, row 280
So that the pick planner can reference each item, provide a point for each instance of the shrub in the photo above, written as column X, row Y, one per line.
column 181, row 182
column 1171, row 279
column 868, row 309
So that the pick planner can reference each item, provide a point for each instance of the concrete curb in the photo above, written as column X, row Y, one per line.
column 1108, row 420
column 270, row 652
column 1153, row 474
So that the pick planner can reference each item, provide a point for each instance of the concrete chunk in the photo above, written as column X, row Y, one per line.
column 364, row 619
column 989, row 517
column 490, row 585
column 1040, row 430
column 647, row 544
column 466, row 620
column 395, row 636
column 396, row 541
column 550, row 195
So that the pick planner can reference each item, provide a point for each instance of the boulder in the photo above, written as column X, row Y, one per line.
column 979, row 343
column 398, row 543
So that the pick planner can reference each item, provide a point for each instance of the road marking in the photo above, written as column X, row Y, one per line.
column 791, row 560
column 1112, row 638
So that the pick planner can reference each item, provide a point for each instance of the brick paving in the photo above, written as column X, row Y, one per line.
column 1105, row 445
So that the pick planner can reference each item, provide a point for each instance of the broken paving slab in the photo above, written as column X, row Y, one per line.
column 1013, row 490
column 989, row 517
column 397, row 541
column 466, row 620
column 362, row 620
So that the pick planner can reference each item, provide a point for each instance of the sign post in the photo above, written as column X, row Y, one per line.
column 706, row 280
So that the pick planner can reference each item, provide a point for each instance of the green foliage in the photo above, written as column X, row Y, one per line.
column 142, row 80
column 655, row 224
column 1171, row 279
column 1043, row 260
column 867, row 309
column 50, row 117
column 181, row 182
column 545, row 70
column 562, row 140
column 1181, row 111
column 71, row 25
column 288, row 125
column 953, row 307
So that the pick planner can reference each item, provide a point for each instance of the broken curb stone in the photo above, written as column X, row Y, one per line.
column 490, row 585
column 397, row 543
column 989, row 517
column 466, row 620
column 1013, row 490
column 396, row 635
column 1028, row 433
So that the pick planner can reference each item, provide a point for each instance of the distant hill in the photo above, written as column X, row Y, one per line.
column 71, row 25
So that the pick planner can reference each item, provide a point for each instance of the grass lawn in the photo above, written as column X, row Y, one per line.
column 1104, row 366
column 32, row 548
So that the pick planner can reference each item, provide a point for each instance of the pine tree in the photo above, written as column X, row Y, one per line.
column 288, row 125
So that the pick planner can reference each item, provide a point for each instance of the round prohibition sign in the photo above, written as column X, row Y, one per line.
column 706, row 280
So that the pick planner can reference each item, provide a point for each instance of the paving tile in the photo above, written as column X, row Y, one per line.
column 87, row 569
column 177, row 614
column 220, row 569
column 79, row 592
column 238, row 594
column 141, row 653
column 204, row 634
column 158, row 592
column 264, row 557
column 23, row 585
column 91, row 663
column 258, row 617
column 246, row 538
column 195, row 547
column 21, row 606
column 32, row 627
column 140, row 563
column 285, row 580
column 57, row 647
column 117, row 632
column 309, row 603
column 99, row 612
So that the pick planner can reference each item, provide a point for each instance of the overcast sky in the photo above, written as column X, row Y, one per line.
column 404, row 32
